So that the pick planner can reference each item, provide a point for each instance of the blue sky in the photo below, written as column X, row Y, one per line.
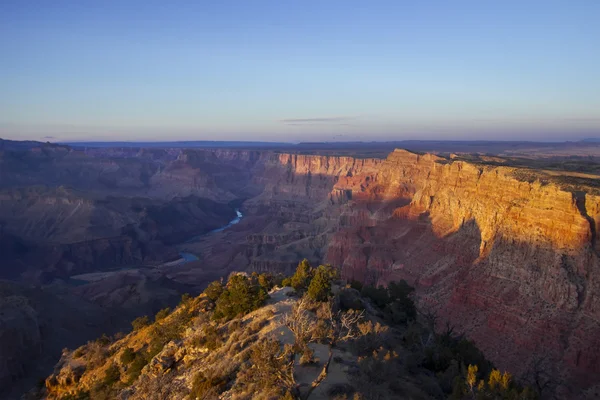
column 299, row 70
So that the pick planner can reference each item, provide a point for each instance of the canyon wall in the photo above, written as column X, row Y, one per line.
column 509, row 260
column 512, row 263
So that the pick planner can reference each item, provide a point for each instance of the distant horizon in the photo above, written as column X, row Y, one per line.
column 290, row 143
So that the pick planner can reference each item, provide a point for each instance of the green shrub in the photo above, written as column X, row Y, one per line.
column 78, row 353
column 214, row 290
column 301, row 278
column 162, row 314
column 266, row 281
column 320, row 285
column 140, row 322
column 286, row 282
column 239, row 297
column 185, row 299
column 127, row 356
column 135, row 369
column 103, row 340
column 112, row 375
column 278, row 280
column 207, row 386
column 211, row 338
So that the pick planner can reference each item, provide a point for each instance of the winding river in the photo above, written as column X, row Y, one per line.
column 234, row 221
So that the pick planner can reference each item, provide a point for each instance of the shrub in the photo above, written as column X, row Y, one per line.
column 354, row 284
column 207, row 386
column 320, row 285
column 103, row 340
column 266, row 281
column 78, row 353
column 308, row 356
column 301, row 278
column 211, row 339
column 350, row 299
column 79, row 395
column 185, row 299
column 286, row 282
column 112, row 375
column 127, row 356
column 135, row 369
column 399, row 290
column 214, row 290
column 278, row 280
column 378, row 295
column 140, row 322
column 400, row 311
column 270, row 371
column 162, row 314
column 239, row 298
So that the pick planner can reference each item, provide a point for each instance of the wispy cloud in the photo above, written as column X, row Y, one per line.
column 317, row 121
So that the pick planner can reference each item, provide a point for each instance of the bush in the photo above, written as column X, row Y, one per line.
column 378, row 295
column 112, row 375
column 399, row 290
column 207, row 387
column 162, row 314
column 135, row 369
column 214, row 290
column 239, row 298
column 354, row 284
column 185, row 299
column 320, row 286
column 103, row 340
column 301, row 278
column 286, row 282
column 308, row 356
column 140, row 322
column 270, row 371
column 350, row 299
column 211, row 339
column 78, row 353
column 266, row 281
column 127, row 356
column 278, row 280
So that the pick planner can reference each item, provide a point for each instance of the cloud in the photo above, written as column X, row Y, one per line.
column 316, row 121
column 49, row 137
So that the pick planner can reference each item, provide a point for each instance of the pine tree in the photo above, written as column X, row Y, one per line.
column 320, row 286
column 302, row 276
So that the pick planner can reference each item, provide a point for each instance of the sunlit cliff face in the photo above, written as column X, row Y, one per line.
column 510, row 261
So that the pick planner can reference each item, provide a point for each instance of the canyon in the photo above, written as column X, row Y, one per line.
column 504, row 250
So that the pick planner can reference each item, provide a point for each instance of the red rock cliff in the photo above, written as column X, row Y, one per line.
column 512, row 263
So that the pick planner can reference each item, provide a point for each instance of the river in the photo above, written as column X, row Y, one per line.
column 234, row 221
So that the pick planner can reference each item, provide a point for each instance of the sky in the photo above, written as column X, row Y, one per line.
column 303, row 70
